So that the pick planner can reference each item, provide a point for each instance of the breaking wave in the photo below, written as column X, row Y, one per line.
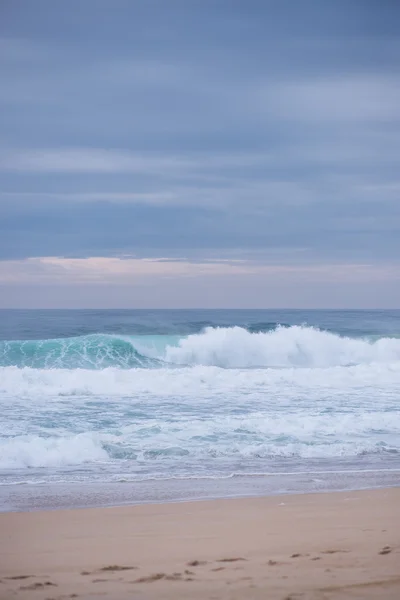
column 90, row 448
column 97, row 351
column 229, row 347
column 294, row 346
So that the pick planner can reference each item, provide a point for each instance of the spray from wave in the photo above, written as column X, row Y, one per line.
column 227, row 399
column 230, row 347
column 295, row 346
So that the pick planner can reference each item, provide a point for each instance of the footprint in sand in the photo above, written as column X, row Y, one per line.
column 174, row 577
column 37, row 586
column 236, row 559
column 385, row 550
column 164, row 577
column 113, row 568
column 150, row 578
column 65, row 597
column 109, row 569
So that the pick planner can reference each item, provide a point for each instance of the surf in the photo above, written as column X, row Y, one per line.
column 296, row 346
column 224, row 347
column 97, row 351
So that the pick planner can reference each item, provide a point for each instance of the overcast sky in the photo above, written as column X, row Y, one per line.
column 200, row 153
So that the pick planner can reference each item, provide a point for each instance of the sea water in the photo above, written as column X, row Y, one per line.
column 103, row 407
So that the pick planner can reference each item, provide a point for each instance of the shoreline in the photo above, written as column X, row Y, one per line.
column 334, row 545
column 78, row 495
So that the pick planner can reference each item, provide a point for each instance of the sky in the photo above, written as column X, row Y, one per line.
column 200, row 153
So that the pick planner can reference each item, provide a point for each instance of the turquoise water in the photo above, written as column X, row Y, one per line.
column 100, row 397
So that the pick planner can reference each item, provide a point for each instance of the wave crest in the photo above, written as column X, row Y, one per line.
column 97, row 351
column 34, row 451
column 227, row 347
column 136, row 455
column 296, row 346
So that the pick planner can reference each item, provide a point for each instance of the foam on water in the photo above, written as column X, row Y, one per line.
column 221, row 401
column 200, row 381
column 231, row 347
column 185, row 416
column 283, row 347
column 34, row 451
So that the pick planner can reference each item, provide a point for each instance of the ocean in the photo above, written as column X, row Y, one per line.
column 102, row 407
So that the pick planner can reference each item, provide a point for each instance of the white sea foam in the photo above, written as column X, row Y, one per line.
column 229, row 347
column 295, row 346
column 36, row 451
column 259, row 435
column 200, row 380
column 222, row 399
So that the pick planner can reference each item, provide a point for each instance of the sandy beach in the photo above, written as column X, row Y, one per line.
column 322, row 546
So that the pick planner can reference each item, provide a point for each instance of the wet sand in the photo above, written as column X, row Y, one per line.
column 318, row 546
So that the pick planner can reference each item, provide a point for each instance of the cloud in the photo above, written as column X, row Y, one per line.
column 352, row 98
column 288, row 221
column 102, row 270
column 197, row 133
column 99, row 160
column 134, row 271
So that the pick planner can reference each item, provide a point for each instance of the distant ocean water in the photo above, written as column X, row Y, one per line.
column 202, row 397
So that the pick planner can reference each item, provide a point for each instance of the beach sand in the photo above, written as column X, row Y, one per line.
column 318, row 546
